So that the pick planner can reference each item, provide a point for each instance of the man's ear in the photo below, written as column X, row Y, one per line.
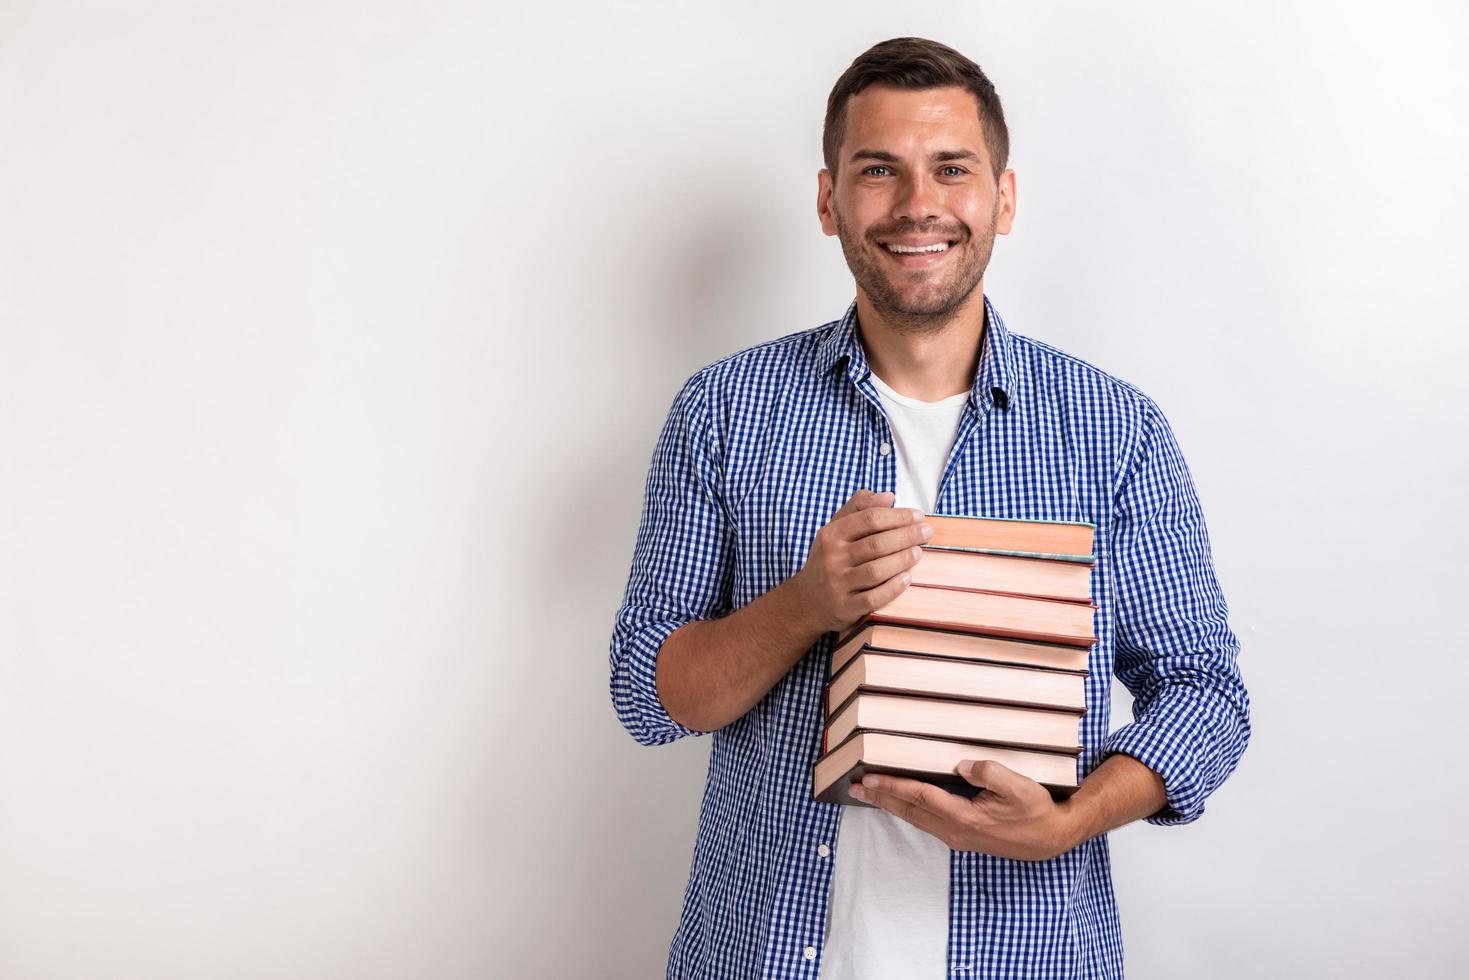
column 824, row 189
column 1005, row 220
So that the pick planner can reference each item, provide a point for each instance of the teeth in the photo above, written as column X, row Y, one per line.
column 912, row 250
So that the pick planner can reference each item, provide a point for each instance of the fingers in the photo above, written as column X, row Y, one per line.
column 867, row 531
column 863, row 500
column 993, row 776
column 875, row 520
column 882, row 543
column 875, row 598
column 924, row 805
column 855, row 605
column 870, row 575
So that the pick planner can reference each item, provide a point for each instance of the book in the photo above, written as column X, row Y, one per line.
column 932, row 760
column 991, row 613
column 980, row 571
column 969, row 721
column 983, row 656
column 960, row 680
column 954, row 645
column 1055, row 540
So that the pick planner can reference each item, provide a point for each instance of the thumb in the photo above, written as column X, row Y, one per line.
column 991, row 776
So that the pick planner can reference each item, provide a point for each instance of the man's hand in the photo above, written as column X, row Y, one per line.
column 859, row 561
column 1013, row 817
column 711, row 672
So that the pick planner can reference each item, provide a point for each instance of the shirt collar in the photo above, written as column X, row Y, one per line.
column 994, row 379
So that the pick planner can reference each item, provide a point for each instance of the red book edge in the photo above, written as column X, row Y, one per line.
column 1028, row 635
column 1018, row 595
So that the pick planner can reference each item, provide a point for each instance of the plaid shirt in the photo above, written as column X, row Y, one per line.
column 759, row 450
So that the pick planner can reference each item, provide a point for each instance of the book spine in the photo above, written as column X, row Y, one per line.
column 1090, row 559
column 825, row 714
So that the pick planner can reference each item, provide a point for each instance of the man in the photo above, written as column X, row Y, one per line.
column 785, row 501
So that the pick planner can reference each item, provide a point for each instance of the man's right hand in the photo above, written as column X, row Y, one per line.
column 859, row 560
column 711, row 672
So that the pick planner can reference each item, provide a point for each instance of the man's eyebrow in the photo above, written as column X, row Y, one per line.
column 882, row 155
column 943, row 156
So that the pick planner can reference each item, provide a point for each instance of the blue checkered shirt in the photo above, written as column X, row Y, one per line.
column 759, row 450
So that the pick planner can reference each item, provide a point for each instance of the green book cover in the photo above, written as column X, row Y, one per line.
column 1080, row 559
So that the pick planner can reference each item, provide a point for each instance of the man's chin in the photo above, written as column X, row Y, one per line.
column 918, row 312
column 922, row 307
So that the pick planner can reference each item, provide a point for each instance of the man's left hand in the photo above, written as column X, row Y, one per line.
column 1012, row 817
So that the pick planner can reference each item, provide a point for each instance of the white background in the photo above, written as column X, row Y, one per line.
column 334, row 341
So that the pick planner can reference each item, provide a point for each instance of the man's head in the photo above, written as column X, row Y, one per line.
column 915, row 147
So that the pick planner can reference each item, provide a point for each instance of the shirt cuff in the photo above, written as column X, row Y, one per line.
column 635, row 688
column 1165, row 753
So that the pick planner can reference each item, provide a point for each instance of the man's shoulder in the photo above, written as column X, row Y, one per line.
column 1058, row 375
column 763, row 367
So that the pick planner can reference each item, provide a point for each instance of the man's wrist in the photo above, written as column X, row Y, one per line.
column 1118, row 791
column 797, row 613
column 1075, row 823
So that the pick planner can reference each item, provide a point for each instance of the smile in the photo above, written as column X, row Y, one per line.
column 918, row 255
column 916, row 249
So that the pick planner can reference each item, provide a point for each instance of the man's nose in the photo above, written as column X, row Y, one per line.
column 918, row 199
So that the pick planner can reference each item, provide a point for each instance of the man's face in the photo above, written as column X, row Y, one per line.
column 913, row 173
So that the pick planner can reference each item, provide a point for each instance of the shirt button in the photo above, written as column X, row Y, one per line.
column 810, row 952
column 884, row 449
column 822, row 850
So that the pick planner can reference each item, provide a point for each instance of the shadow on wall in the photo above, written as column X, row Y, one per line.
column 686, row 289
column 692, row 286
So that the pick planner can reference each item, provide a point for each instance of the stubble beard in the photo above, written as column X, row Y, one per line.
column 930, row 309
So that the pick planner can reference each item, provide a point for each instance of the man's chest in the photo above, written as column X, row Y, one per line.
column 813, row 457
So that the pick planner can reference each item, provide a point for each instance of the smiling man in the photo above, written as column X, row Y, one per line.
column 786, row 500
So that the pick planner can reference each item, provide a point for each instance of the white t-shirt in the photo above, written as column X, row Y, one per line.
column 888, row 912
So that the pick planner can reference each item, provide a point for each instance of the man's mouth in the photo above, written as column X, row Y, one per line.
column 899, row 249
column 918, row 253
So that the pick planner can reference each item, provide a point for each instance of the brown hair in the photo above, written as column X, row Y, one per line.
column 915, row 63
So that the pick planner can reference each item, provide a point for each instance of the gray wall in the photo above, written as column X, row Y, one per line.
column 334, row 340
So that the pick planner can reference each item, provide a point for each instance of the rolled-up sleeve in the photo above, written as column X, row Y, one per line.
column 1175, row 650
column 681, row 567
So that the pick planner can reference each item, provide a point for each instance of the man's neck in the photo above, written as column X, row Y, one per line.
column 927, row 363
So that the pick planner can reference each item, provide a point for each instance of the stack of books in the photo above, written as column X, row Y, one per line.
column 982, row 657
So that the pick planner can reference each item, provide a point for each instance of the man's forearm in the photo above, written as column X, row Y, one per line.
column 1117, row 792
column 713, row 671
